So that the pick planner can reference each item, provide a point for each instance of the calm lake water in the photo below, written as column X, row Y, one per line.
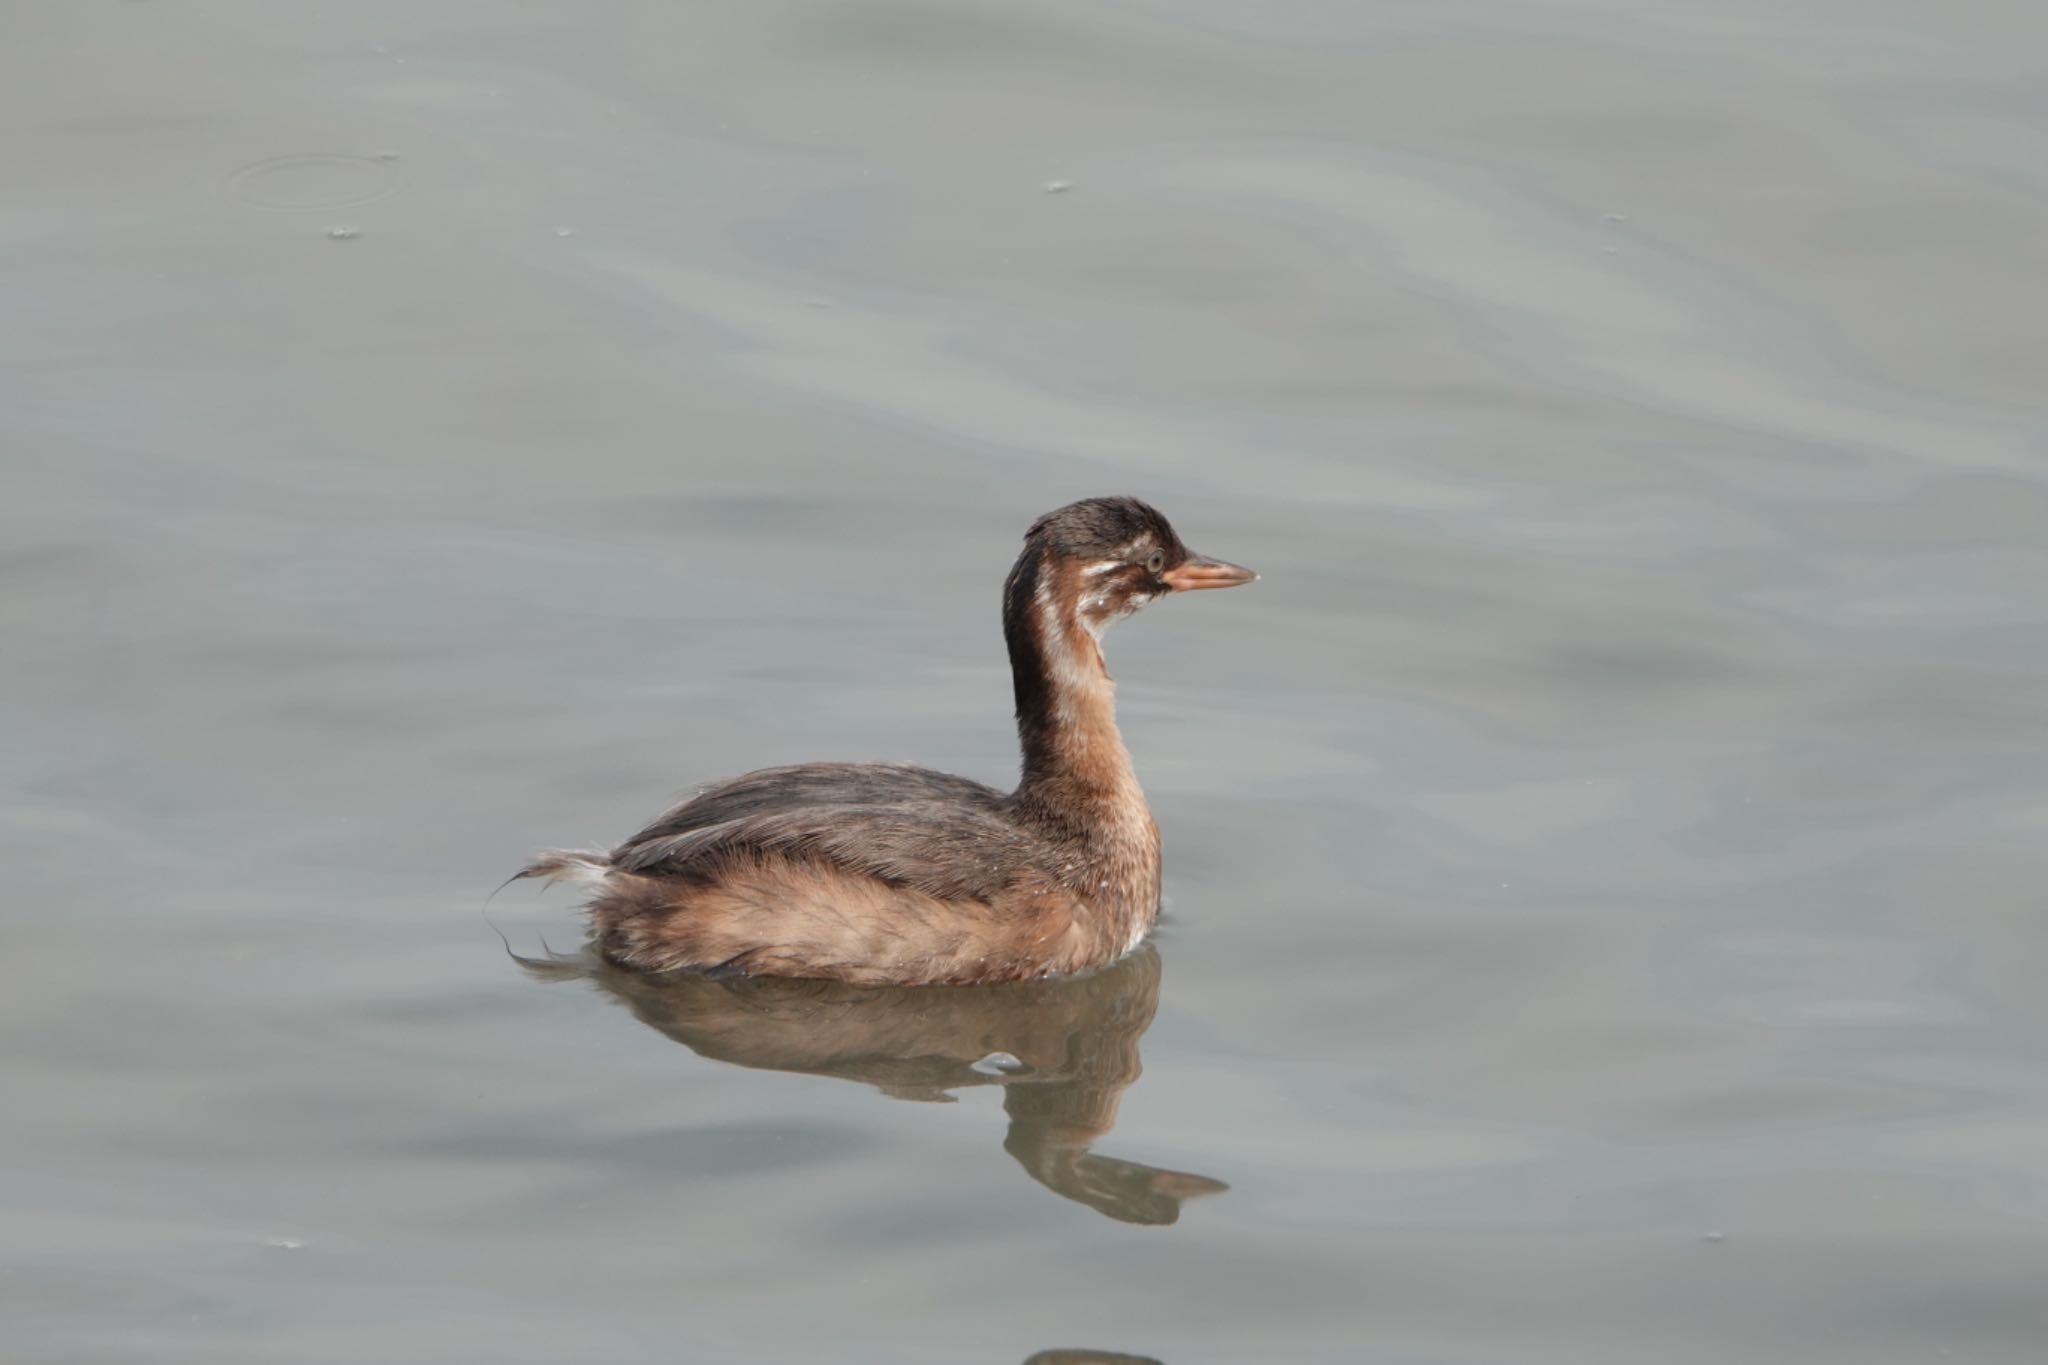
column 1605, row 855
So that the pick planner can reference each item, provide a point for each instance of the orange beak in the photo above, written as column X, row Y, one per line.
column 1200, row 572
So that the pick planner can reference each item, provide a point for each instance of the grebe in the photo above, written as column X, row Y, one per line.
column 892, row 875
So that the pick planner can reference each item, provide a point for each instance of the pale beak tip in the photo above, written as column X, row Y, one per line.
column 1202, row 572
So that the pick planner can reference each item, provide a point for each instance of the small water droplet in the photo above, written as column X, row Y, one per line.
column 1615, row 217
column 1715, row 1237
column 1610, row 250
column 565, row 232
column 1058, row 186
column 284, row 1243
column 344, row 232
column 997, row 1064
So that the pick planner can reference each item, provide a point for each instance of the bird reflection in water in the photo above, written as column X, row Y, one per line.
column 1063, row 1051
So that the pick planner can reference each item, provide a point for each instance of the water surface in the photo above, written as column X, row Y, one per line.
column 1605, row 854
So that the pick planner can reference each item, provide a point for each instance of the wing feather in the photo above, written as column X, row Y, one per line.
column 819, row 784
column 953, row 852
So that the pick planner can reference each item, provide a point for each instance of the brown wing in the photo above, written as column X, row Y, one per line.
column 816, row 784
column 948, row 851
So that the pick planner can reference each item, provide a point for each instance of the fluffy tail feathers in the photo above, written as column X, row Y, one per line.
column 616, row 898
column 566, row 865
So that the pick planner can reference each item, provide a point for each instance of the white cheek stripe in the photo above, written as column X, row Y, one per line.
column 1074, row 674
column 1097, row 570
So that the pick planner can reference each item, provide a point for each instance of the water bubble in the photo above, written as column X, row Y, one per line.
column 565, row 232
column 1615, row 217
column 344, row 232
column 997, row 1064
column 1716, row 1236
column 1058, row 186
column 285, row 1243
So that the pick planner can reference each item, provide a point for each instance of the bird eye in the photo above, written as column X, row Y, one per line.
column 1157, row 561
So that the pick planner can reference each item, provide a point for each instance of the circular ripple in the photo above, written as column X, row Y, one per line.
column 312, row 183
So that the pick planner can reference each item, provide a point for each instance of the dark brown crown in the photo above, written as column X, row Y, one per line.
column 1097, row 528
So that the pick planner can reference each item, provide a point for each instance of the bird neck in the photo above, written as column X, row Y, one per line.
column 1076, row 769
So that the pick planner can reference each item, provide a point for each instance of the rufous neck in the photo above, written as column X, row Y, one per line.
column 1066, row 701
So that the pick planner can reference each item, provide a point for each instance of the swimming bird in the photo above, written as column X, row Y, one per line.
column 895, row 875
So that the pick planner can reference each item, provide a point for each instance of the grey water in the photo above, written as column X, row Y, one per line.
column 1605, row 853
